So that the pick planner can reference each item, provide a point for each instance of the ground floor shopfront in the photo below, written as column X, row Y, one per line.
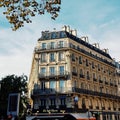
column 106, row 115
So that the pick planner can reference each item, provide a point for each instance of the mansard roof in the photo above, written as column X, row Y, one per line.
column 47, row 35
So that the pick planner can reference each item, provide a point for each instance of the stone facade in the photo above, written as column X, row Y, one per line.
column 69, row 74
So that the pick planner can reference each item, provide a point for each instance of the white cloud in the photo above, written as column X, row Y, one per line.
column 16, row 47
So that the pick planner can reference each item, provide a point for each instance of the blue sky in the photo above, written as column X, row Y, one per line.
column 97, row 19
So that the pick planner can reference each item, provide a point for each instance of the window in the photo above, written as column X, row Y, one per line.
column 93, row 65
column 43, row 102
column 44, row 46
column 90, row 102
column 43, row 71
column 94, row 77
column 61, row 44
column 74, row 72
column 61, row 70
column 52, row 45
column 86, row 62
column 82, row 85
column 73, row 57
column 52, row 57
column 53, row 85
column 62, row 101
column 62, row 34
column 61, row 56
column 43, row 57
column 88, row 76
column 52, row 70
column 62, row 85
column 52, row 101
column 83, row 101
column 81, row 73
column 42, row 85
column 98, row 67
column 80, row 59
column 53, row 35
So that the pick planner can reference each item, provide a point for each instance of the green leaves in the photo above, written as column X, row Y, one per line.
column 13, row 84
column 19, row 11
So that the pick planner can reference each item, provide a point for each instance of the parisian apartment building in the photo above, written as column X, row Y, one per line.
column 68, row 74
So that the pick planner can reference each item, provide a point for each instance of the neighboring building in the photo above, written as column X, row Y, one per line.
column 118, row 75
column 69, row 74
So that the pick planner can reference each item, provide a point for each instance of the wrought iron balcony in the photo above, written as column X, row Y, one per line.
column 95, row 93
column 100, row 81
column 88, row 77
column 69, row 45
column 103, row 108
column 82, row 76
column 43, row 91
column 111, row 84
column 74, row 73
column 90, row 107
column 56, row 74
column 106, row 82
column 48, row 91
column 97, row 107
column 49, row 47
column 95, row 79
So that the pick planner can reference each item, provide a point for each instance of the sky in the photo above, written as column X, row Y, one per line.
column 97, row 19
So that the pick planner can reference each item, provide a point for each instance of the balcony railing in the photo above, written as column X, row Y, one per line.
column 67, row 90
column 95, row 79
column 74, row 73
column 106, row 82
column 60, row 74
column 95, row 93
column 82, row 76
column 48, row 91
column 69, row 45
column 97, row 107
column 100, row 81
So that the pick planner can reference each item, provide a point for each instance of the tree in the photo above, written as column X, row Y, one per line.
column 13, row 84
column 19, row 11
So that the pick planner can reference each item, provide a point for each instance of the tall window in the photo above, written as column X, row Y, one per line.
column 93, row 65
column 94, row 76
column 80, row 59
column 42, row 85
column 43, row 71
column 88, row 76
column 52, row 70
column 52, row 57
column 62, row 101
column 81, row 72
column 43, row 57
column 62, row 85
column 53, row 85
column 87, row 62
column 61, row 70
column 54, row 35
column 43, row 102
column 52, row 101
column 73, row 57
column 52, row 45
column 44, row 46
column 61, row 56
column 61, row 44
